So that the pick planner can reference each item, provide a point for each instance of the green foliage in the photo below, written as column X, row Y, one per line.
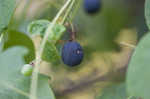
column 147, row 12
column 13, row 85
column 50, row 53
column 14, row 38
column 97, row 32
column 39, row 28
column 58, row 31
column 139, row 70
column 6, row 11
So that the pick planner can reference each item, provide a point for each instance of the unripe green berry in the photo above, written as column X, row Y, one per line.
column 27, row 70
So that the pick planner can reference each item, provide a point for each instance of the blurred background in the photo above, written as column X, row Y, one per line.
column 108, row 39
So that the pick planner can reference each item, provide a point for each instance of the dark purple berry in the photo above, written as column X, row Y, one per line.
column 92, row 6
column 72, row 53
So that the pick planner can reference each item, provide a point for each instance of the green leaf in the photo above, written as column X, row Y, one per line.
column 58, row 31
column 13, row 85
column 14, row 38
column 114, row 92
column 6, row 11
column 138, row 80
column 39, row 28
column 50, row 53
column 147, row 12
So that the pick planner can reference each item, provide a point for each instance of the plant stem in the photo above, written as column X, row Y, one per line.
column 34, row 81
column 76, row 9
column 68, row 11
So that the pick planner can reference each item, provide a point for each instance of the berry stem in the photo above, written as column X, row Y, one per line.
column 73, row 32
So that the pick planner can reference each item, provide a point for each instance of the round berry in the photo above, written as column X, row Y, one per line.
column 72, row 53
column 92, row 6
column 27, row 70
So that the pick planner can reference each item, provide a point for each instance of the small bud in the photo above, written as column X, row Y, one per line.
column 27, row 70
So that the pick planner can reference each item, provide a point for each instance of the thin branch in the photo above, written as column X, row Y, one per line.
column 33, row 88
column 128, row 45
column 68, row 11
column 75, row 10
